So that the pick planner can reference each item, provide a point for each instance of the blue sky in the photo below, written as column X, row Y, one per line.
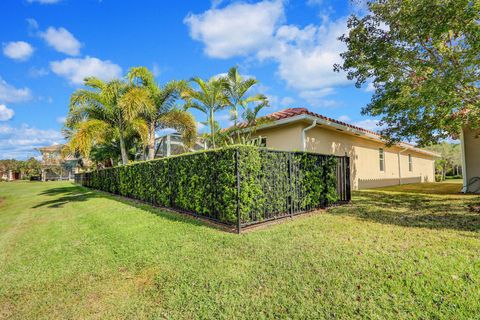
column 49, row 46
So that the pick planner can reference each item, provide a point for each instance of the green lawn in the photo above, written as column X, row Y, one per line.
column 407, row 252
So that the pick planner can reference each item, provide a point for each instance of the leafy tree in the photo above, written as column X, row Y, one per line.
column 236, row 92
column 450, row 158
column 209, row 98
column 108, row 154
column 422, row 57
column 31, row 167
column 158, row 103
column 10, row 164
column 28, row 168
column 101, row 115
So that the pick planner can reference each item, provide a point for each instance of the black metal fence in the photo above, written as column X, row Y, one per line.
column 284, row 178
column 239, row 186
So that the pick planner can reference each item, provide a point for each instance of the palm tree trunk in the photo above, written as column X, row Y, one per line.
column 151, row 141
column 212, row 129
column 123, row 151
column 235, row 124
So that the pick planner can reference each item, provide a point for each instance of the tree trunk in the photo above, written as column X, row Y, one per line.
column 123, row 151
column 237, row 132
column 151, row 141
column 212, row 128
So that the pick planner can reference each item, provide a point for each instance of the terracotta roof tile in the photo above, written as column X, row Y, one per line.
column 292, row 112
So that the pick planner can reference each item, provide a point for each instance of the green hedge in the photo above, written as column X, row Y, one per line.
column 270, row 183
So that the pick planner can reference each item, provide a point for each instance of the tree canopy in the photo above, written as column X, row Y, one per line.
column 100, row 114
column 118, row 119
column 450, row 161
column 29, row 167
column 422, row 57
column 159, row 107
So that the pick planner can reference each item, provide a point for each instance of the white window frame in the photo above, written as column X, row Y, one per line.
column 381, row 158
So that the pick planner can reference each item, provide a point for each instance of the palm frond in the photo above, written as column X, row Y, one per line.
column 95, row 83
column 183, row 122
column 86, row 134
column 257, row 98
column 140, row 127
column 142, row 77
column 135, row 101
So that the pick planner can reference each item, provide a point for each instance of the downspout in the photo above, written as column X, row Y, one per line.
column 400, row 167
column 304, row 139
column 464, row 163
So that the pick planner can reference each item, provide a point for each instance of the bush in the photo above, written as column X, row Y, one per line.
column 205, row 183
column 453, row 177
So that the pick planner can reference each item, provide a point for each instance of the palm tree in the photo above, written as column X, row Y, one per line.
column 158, row 103
column 236, row 91
column 209, row 99
column 100, row 115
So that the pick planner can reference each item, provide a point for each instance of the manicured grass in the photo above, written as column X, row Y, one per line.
column 406, row 252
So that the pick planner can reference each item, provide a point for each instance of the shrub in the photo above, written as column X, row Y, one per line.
column 224, row 184
column 458, row 176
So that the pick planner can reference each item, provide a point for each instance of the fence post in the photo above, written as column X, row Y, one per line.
column 290, row 189
column 347, row 178
column 237, row 174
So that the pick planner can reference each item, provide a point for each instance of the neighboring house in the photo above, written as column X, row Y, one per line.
column 171, row 144
column 372, row 164
column 10, row 175
column 56, row 167
column 470, row 142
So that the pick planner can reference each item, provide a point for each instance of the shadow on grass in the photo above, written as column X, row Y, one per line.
column 75, row 193
column 64, row 195
column 415, row 206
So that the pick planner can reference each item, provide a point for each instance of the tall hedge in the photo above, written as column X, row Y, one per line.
column 269, row 183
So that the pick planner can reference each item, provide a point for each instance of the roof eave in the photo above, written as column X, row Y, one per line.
column 343, row 128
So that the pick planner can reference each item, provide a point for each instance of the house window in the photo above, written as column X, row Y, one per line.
column 263, row 142
column 410, row 163
column 381, row 156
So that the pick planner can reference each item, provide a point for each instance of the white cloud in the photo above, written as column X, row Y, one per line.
column 369, row 124
column 19, row 50
column 32, row 23
column 62, row 40
column 304, row 55
column 45, row 1
column 10, row 94
column 156, row 70
column 224, row 117
column 6, row 113
column 370, row 87
column 287, row 101
column 37, row 72
column 76, row 70
column 201, row 127
column 316, row 97
column 61, row 120
column 344, row 118
column 20, row 142
column 314, row 2
column 238, row 29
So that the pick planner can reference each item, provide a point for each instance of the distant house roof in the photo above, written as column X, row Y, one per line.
column 294, row 114
column 53, row 148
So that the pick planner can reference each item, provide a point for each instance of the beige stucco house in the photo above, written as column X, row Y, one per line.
column 372, row 164
column 470, row 143
column 56, row 167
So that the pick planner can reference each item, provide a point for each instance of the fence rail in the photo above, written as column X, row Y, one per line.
column 239, row 186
